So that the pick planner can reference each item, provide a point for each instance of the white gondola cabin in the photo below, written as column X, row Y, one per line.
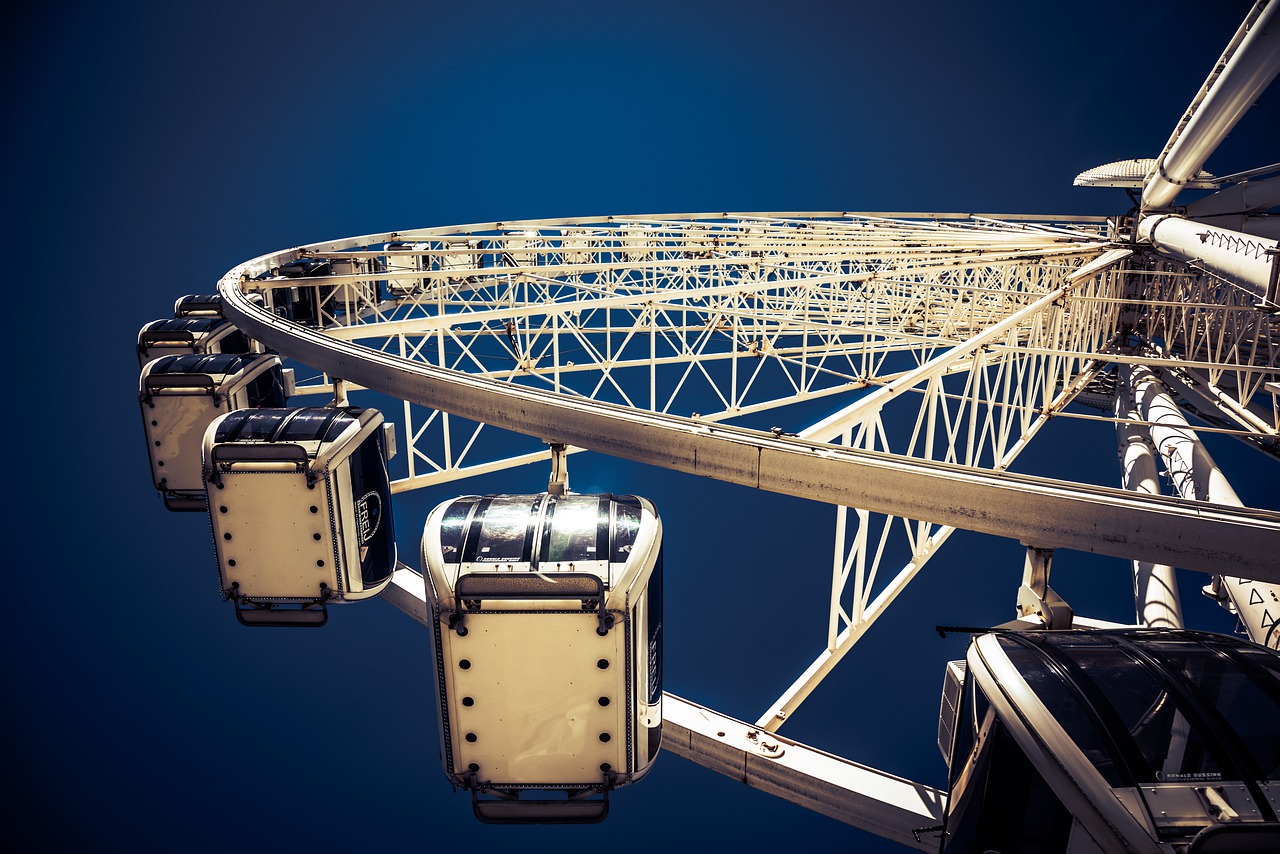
column 404, row 264
column 321, row 290
column 180, row 396
column 206, row 305
column 1077, row 742
column 198, row 305
column 300, row 505
column 548, row 631
column 176, row 336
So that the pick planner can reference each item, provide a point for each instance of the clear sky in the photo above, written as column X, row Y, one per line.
column 152, row 146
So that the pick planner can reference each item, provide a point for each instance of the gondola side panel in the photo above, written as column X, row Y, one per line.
column 275, row 535
column 535, row 699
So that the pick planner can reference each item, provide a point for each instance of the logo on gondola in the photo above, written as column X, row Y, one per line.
column 368, row 515
column 1202, row 776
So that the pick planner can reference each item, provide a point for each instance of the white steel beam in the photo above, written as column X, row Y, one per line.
column 407, row 592
column 1196, row 476
column 835, row 424
column 448, row 475
column 832, row 426
column 846, row 629
column 778, row 713
column 1246, row 68
column 1243, row 259
column 1241, row 199
column 1051, row 513
column 890, row 807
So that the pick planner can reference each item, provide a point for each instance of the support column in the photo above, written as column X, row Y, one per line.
column 1036, row 597
column 1197, row 477
column 1155, row 585
column 558, row 483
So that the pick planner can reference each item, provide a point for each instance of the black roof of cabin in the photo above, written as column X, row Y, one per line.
column 190, row 325
column 306, row 424
column 201, row 363
column 541, row 528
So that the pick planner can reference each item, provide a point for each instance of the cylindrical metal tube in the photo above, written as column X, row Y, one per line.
column 1196, row 476
column 1245, row 260
column 1247, row 73
column 1155, row 586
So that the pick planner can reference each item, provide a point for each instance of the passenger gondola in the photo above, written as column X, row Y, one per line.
column 198, row 305
column 300, row 303
column 1113, row 740
column 206, row 305
column 180, row 396
column 322, row 290
column 300, row 505
column 404, row 264
column 177, row 336
column 547, row 614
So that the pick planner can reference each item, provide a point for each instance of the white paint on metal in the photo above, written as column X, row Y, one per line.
column 1242, row 259
column 1196, row 476
column 890, row 807
column 958, row 494
column 1155, row 585
column 854, row 794
column 1246, row 197
column 1246, row 68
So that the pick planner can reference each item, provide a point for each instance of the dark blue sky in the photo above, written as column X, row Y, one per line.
column 152, row 146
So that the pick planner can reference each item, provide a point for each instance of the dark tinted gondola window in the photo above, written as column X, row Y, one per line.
column 1249, row 710
column 258, row 424
column 198, row 302
column 1067, row 707
column 504, row 531
column 317, row 422
column 655, row 650
column 573, row 530
column 969, row 720
column 267, row 389
column 625, row 528
column 225, row 363
column 167, row 365
column 1173, row 750
column 1007, row 806
column 286, row 425
column 213, row 363
column 1268, row 661
column 197, row 325
column 452, row 527
column 655, row 632
column 235, row 342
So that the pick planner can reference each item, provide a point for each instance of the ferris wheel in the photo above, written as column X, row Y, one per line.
column 892, row 366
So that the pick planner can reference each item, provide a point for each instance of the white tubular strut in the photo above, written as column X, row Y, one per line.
column 1245, row 260
column 1197, row 477
column 1246, row 68
column 1155, row 585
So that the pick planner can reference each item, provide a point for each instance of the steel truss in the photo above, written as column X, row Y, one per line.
column 1216, row 344
column 716, row 319
column 930, row 349
column 948, row 339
